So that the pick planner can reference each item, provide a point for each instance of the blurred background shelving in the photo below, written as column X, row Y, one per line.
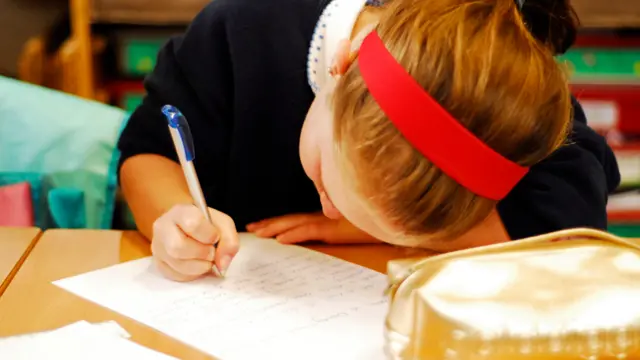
column 102, row 49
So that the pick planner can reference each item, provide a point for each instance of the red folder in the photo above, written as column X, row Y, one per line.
column 610, row 107
column 16, row 205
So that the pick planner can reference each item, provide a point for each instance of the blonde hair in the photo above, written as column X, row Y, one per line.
column 479, row 61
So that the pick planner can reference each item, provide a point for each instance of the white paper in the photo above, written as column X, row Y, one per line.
column 627, row 201
column 108, row 327
column 113, row 328
column 276, row 301
column 78, row 341
column 629, row 165
column 602, row 115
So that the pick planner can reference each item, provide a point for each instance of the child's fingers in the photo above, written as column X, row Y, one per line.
column 168, row 272
column 191, row 221
column 329, row 231
column 229, row 243
column 279, row 225
column 190, row 269
column 314, row 231
column 185, row 248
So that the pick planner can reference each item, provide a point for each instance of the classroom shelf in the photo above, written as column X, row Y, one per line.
column 78, row 52
column 608, row 13
column 127, row 94
column 145, row 12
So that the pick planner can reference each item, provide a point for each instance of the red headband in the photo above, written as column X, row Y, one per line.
column 431, row 129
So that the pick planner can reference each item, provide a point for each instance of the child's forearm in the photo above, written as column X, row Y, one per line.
column 152, row 185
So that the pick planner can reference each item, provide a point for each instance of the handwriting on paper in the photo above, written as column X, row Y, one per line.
column 273, row 295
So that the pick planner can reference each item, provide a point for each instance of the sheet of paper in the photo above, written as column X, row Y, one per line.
column 626, row 201
column 78, row 341
column 112, row 327
column 276, row 301
column 108, row 327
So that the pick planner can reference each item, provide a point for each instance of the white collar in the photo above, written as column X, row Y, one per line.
column 335, row 24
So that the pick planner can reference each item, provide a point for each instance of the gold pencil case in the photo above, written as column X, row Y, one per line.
column 567, row 295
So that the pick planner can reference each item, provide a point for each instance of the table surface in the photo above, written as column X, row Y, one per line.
column 31, row 303
column 15, row 245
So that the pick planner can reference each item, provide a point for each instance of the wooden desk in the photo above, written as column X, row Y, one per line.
column 15, row 245
column 32, row 303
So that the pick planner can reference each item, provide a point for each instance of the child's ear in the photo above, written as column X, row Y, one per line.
column 348, row 51
column 342, row 58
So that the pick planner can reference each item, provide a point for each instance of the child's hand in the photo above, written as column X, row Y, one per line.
column 183, row 243
column 296, row 228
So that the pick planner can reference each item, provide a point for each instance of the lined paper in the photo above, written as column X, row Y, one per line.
column 277, row 301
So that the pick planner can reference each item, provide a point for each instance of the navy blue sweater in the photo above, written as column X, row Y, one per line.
column 239, row 76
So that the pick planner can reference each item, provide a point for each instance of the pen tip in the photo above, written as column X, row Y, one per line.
column 217, row 271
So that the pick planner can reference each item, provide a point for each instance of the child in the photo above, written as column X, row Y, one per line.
column 239, row 74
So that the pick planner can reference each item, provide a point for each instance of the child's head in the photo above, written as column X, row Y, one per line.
column 480, row 62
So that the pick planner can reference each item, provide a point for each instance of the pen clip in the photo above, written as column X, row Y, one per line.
column 178, row 122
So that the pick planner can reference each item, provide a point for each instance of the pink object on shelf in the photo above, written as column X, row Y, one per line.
column 16, row 205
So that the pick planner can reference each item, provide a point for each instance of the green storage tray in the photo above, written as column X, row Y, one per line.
column 138, row 56
column 607, row 64
column 625, row 230
column 130, row 101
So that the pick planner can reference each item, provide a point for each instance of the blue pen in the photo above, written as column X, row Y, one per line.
column 183, row 142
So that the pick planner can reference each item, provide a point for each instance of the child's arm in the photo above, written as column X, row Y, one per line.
column 192, row 73
column 144, row 180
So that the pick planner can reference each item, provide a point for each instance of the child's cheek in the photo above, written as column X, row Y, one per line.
column 309, row 149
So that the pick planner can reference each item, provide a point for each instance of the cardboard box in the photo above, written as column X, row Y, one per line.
column 143, row 12
column 608, row 13
column 592, row 13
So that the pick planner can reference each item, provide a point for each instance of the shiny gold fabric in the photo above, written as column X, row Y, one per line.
column 568, row 295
